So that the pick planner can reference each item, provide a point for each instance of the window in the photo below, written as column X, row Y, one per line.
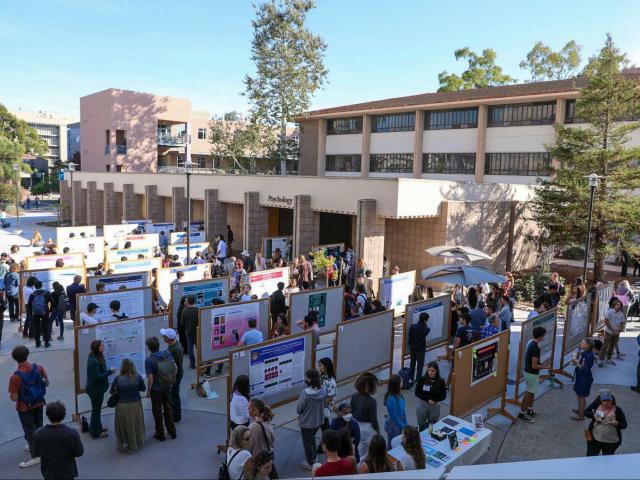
column 543, row 113
column 202, row 134
column 121, row 142
column 449, row 163
column 343, row 163
column 570, row 114
column 344, row 126
column 396, row 122
column 391, row 162
column 445, row 119
column 107, row 137
column 519, row 163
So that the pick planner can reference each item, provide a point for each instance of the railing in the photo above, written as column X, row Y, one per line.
column 531, row 164
column 343, row 163
column 451, row 163
column 172, row 169
column 172, row 141
column 107, row 149
column 121, row 149
column 391, row 163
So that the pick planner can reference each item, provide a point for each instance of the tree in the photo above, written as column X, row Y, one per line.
column 232, row 116
column 560, row 205
column 545, row 64
column 482, row 72
column 289, row 64
column 241, row 142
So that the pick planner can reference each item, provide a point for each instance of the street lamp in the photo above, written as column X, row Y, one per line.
column 72, row 168
column 188, row 169
column 594, row 180
column 16, row 171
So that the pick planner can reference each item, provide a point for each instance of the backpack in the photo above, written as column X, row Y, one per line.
column 405, row 374
column 167, row 371
column 32, row 387
column 223, row 471
column 367, row 309
column 63, row 303
column 39, row 304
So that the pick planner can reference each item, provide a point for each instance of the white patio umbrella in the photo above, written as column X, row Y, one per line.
column 461, row 274
column 458, row 252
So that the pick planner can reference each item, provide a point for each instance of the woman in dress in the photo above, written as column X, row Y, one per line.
column 97, row 385
column 328, row 378
column 583, row 361
column 129, row 416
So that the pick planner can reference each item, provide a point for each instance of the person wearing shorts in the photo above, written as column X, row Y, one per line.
column 532, row 367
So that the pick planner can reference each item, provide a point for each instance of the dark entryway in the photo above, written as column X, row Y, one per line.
column 335, row 228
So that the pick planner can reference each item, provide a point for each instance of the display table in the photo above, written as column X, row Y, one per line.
column 472, row 444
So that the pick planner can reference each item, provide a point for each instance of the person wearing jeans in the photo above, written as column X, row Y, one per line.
column 189, row 317
column 12, row 289
column 97, row 384
column 170, row 337
column 613, row 324
column 158, row 391
column 417, row 343
column 310, row 410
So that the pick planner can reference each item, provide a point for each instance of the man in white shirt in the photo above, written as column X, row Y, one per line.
column 613, row 324
column 221, row 251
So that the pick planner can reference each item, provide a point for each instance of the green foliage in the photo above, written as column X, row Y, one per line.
column 481, row 72
column 16, row 139
column 545, row 64
column 573, row 253
column 41, row 188
column 241, row 142
column 531, row 285
column 7, row 193
column 289, row 62
column 560, row 205
column 320, row 262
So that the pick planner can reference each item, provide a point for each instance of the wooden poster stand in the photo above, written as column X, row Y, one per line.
column 605, row 291
column 443, row 343
column 380, row 283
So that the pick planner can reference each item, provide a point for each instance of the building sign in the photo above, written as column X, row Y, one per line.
column 280, row 201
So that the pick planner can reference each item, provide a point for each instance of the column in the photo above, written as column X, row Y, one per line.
column 95, row 204
column 255, row 222
column 417, row 144
column 179, row 207
column 306, row 225
column 561, row 108
column 480, row 143
column 154, row 204
column 366, row 145
column 65, row 201
column 130, row 205
column 322, row 146
column 215, row 214
column 370, row 230
column 79, row 210
column 112, row 205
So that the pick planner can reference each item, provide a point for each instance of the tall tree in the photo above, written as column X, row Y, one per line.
column 243, row 143
column 481, row 72
column 545, row 64
column 600, row 146
column 289, row 63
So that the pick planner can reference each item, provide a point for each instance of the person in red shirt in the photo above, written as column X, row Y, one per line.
column 334, row 465
column 29, row 400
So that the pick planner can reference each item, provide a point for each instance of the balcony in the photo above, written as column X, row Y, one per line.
column 107, row 149
column 121, row 149
column 171, row 141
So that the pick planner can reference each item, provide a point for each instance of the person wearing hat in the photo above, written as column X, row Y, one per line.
column 418, row 345
column 607, row 422
column 170, row 337
column 247, row 261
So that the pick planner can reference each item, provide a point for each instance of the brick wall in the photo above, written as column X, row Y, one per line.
column 65, row 202
column 255, row 222
column 308, row 164
column 235, row 218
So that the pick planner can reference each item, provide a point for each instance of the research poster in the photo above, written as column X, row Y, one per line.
column 120, row 282
column 132, row 304
column 49, row 261
column 117, row 255
column 485, row 361
column 270, row 244
column 112, row 233
column 139, row 240
column 181, row 237
column 160, row 227
column 204, row 292
column 64, row 276
column 228, row 324
column 437, row 323
column 578, row 312
column 123, row 340
column 63, row 233
column 265, row 282
column 91, row 247
column 548, row 321
column 604, row 295
column 318, row 304
column 181, row 250
column 142, row 225
column 333, row 249
column 129, row 266
column 396, row 289
column 276, row 368
column 167, row 276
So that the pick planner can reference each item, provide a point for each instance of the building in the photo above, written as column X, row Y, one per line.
column 73, row 143
column 50, row 127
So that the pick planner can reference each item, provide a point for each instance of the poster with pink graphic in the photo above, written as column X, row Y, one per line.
column 229, row 323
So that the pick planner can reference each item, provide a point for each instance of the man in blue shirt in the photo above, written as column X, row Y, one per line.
column 492, row 327
column 72, row 290
column 252, row 335
column 538, row 308
column 478, row 318
column 506, row 317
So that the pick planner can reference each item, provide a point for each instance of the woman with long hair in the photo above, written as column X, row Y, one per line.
column 413, row 457
column 261, row 467
column 417, row 294
column 262, row 435
column 238, row 457
column 583, row 375
column 364, row 409
column 238, row 272
column 129, row 416
column 292, row 288
column 396, row 415
column 260, row 262
column 328, row 378
column 377, row 459
column 239, row 405
column 430, row 390
column 96, row 386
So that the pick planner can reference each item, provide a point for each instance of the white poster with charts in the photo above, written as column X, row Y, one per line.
column 123, row 340
column 276, row 368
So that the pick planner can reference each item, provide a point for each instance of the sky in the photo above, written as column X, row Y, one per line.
column 55, row 51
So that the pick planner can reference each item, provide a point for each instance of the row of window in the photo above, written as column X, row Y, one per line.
column 513, row 163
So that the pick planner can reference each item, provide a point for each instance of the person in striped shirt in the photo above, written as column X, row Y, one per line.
column 492, row 327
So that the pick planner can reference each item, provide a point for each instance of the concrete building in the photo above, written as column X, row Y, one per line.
column 52, row 128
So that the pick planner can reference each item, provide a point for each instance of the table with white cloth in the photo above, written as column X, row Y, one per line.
column 472, row 444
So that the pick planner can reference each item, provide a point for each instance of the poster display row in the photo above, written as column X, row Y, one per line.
column 117, row 255
column 277, row 368
column 181, row 237
column 125, row 281
column 91, row 247
column 265, row 282
column 204, row 292
column 41, row 262
column 133, row 304
column 138, row 240
column 167, row 276
column 181, row 250
column 394, row 291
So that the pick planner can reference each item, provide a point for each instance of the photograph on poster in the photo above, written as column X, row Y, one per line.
column 485, row 361
column 123, row 340
column 276, row 368
column 318, row 304
column 229, row 324
column 270, row 244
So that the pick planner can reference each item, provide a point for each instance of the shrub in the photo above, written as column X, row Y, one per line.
column 573, row 253
column 531, row 285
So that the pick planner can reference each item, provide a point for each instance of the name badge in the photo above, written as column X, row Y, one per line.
column 426, row 388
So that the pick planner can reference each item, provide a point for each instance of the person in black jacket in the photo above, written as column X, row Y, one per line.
column 57, row 445
column 417, row 342
column 607, row 422
column 278, row 304
column 430, row 390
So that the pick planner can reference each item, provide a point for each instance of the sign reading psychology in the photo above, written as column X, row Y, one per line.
column 280, row 201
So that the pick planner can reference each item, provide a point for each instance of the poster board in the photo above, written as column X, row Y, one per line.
column 265, row 282
column 114, row 282
column 24, row 252
column 92, row 247
column 166, row 276
column 363, row 345
column 165, row 227
column 334, row 249
column 122, row 338
column 327, row 302
column 111, row 233
column 480, row 374
column 221, row 327
column 63, row 275
column 115, row 255
column 136, row 302
column 290, row 357
column 40, row 262
column 269, row 245
column 394, row 291
column 439, row 310
column 181, row 237
column 141, row 224
column 204, row 292
column 181, row 250
column 64, row 233
column 576, row 325
column 146, row 265
column 603, row 296
column 139, row 240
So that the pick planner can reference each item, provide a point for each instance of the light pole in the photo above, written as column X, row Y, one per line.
column 188, row 169
column 594, row 180
column 72, row 168
column 16, row 171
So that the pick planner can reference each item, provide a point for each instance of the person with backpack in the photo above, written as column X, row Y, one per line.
column 96, row 386
column 60, row 303
column 40, row 306
column 417, row 342
column 161, row 373
column 12, row 290
column 74, row 289
column 27, row 387
column 170, row 337
column 114, row 306
column 364, row 303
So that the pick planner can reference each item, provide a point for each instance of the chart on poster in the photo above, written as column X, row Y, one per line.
column 485, row 361
column 229, row 324
column 318, row 304
column 265, row 282
column 123, row 340
column 276, row 368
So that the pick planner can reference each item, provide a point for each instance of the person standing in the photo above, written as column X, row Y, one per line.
column 239, row 405
column 306, row 273
column 27, row 387
column 538, row 308
column 532, row 367
column 40, row 306
column 613, row 324
column 396, row 417
column 251, row 336
column 430, row 390
column 334, row 466
column 364, row 409
column 263, row 437
column 189, row 317
column 492, row 326
column 230, row 239
column 328, row 378
column 412, row 456
column 238, row 455
column 278, row 302
column 221, row 249
column 72, row 291
column 417, row 343
column 604, row 433
column 310, row 410
column 160, row 378
column 170, row 337
column 12, row 291
column 27, row 290
column 505, row 313
column 129, row 416
column 583, row 376
column 57, row 445
column 60, row 302
column 624, row 262
column 97, row 384
column 247, row 261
